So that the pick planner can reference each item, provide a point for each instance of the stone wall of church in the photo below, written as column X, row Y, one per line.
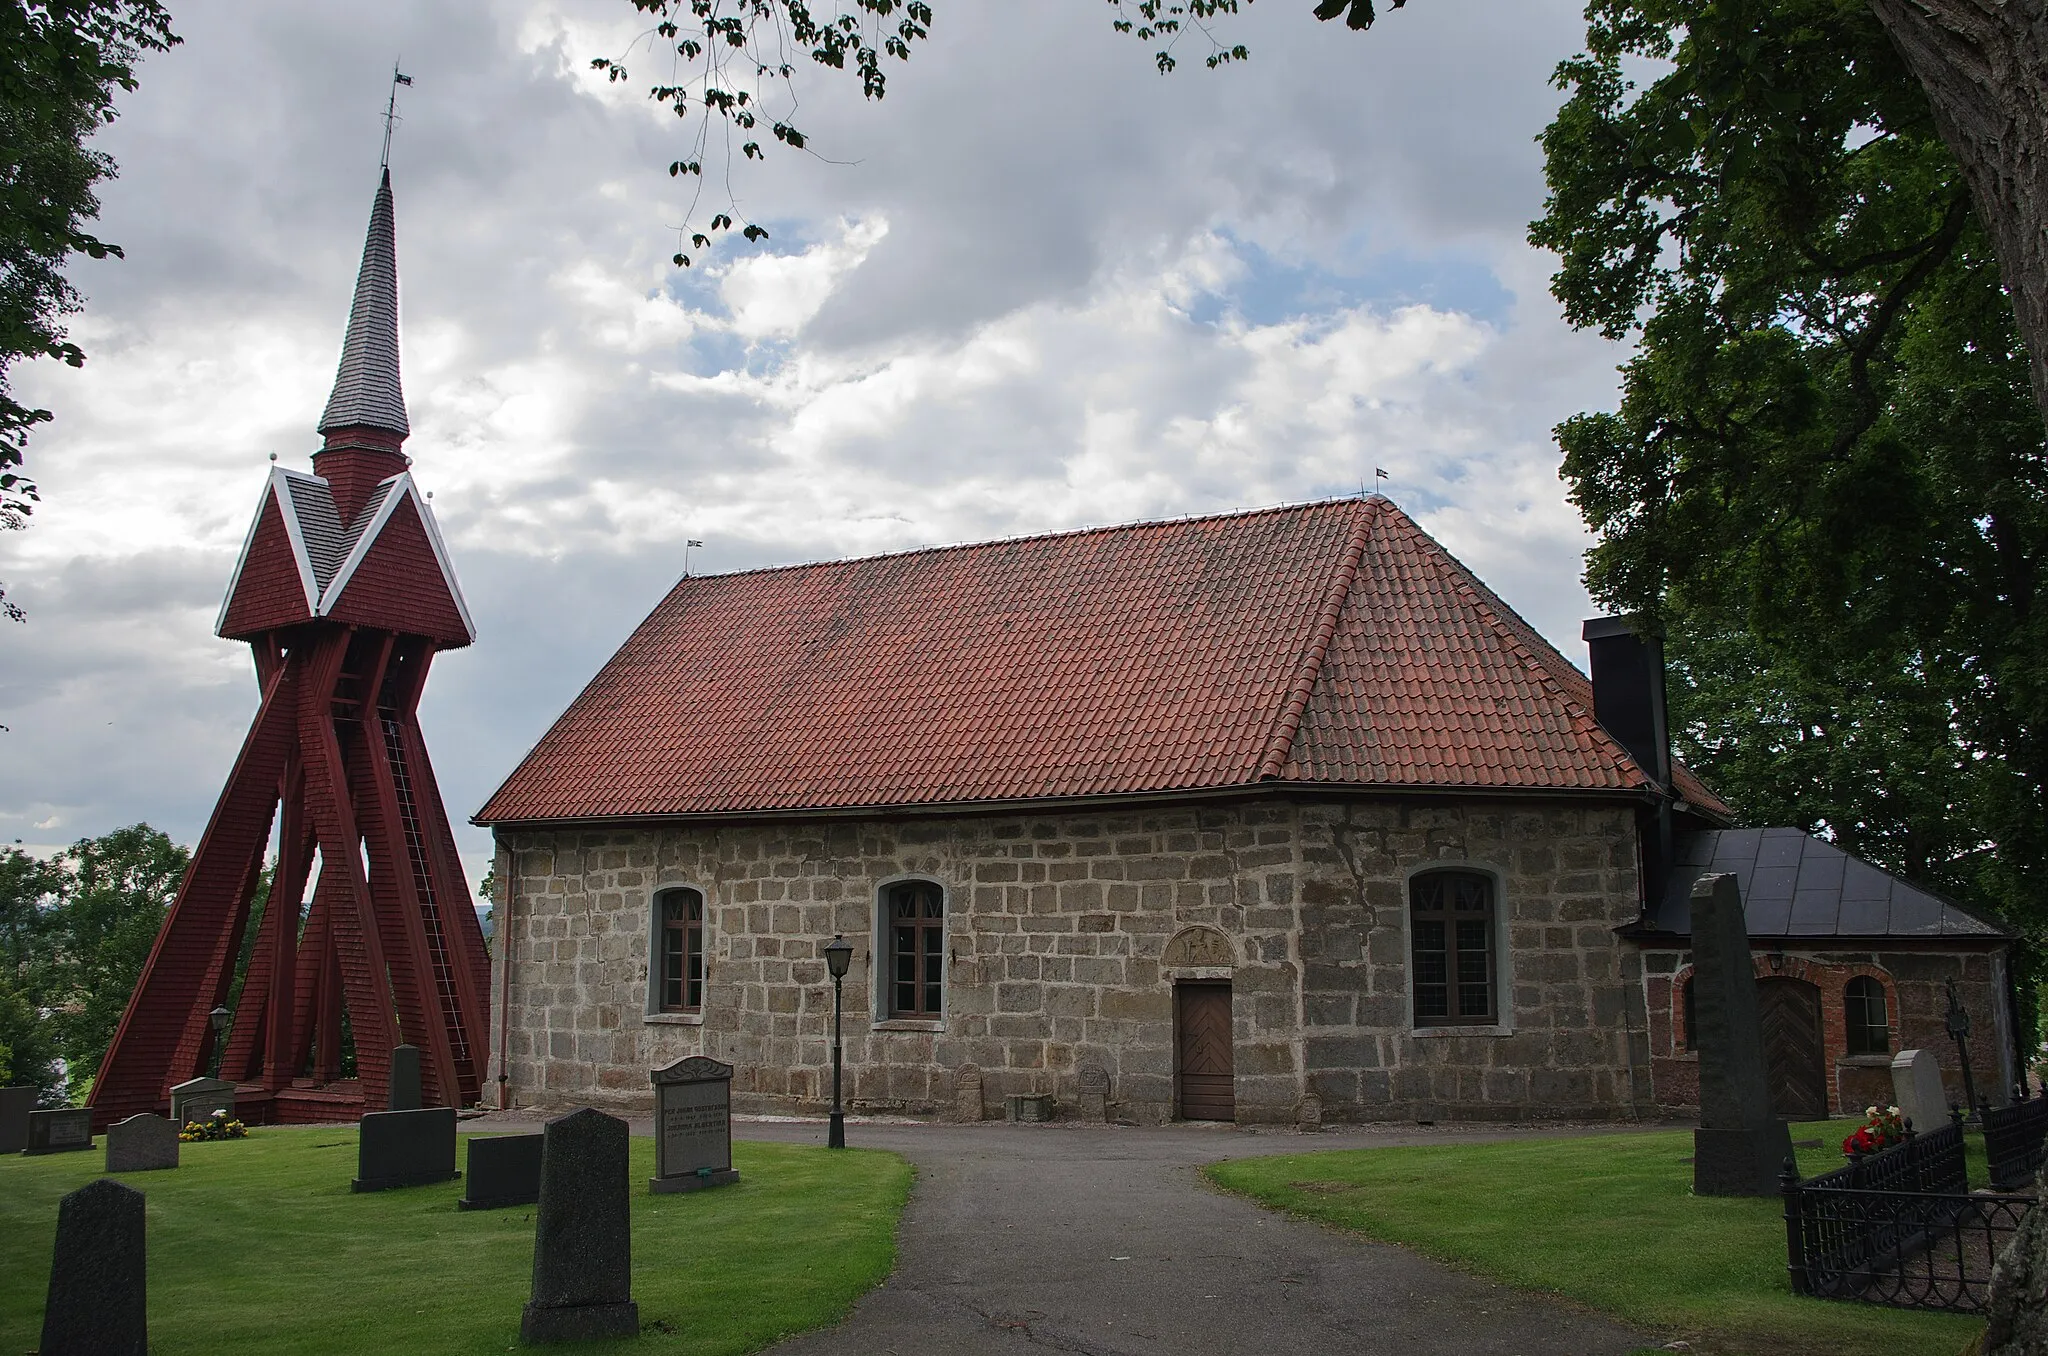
column 1066, row 935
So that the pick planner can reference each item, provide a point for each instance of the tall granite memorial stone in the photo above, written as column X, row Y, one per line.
column 97, row 1304
column 404, row 1094
column 583, row 1240
column 692, row 1126
column 1740, row 1146
column 15, row 1104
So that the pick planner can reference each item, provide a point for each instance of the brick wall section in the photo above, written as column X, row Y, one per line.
column 1916, row 1004
column 1057, row 935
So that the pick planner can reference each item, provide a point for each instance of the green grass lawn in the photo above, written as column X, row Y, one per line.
column 259, row 1245
column 1610, row 1222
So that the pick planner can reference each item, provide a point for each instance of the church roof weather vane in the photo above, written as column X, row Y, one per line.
column 391, row 118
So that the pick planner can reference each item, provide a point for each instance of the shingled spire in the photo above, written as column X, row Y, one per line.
column 367, row 392
column 365, row 423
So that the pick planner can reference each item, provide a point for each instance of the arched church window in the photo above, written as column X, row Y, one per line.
column 915, row 917
column 1451, row 935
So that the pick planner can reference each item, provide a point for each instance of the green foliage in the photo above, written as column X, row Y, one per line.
column 259, row 1246
column 28, row 1046
column 1826, row 472
column 60, row 63
column 218, row 1126
column 1608, row 1221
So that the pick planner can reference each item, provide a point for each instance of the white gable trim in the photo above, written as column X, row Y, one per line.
column 397, row 488
column 274, row 492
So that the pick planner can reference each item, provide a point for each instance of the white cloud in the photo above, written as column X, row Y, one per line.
column 1047, row 289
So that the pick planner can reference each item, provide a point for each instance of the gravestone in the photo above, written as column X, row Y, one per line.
column 583, row 1240
column 405, row 1148
column 1917, row 1090
column 65, row 1130
column 97, row 1301
column 1091, row 1087
column 503, row 1170
column 1308, row 1114
column 142, row 1143
column 15, row 1104
column 199, row 1098
column 1740, row 1146
column 967, row 1101
column 405, row 1079
column 1028, row 1106
column 692, row 1126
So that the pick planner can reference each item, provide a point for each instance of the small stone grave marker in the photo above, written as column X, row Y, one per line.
column 1092, row 1087
column 405, row 1148
column 405, row 1079
column 97, row 1304
column 503, row 1170
column 15, row 1104
column 1028, row 1106
column 967, row 1088
column 1916, row 1088
column 692, row 1125
column 142, row 1143
column 64, row 1130
column 198, row 1098
column 1308, row 1114
column 583, row 1240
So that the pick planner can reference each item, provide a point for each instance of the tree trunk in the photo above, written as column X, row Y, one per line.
column 1984, row 64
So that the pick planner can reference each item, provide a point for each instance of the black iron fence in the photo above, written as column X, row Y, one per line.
column 2016, row 1142
column 1899, row 1227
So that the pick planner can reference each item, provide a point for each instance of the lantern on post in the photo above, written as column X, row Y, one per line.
column 838, row 957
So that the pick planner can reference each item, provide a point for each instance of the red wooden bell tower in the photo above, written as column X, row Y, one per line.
column 345, row 593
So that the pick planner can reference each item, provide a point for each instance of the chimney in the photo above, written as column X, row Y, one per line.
column 1626, row 656
column 1627, row 660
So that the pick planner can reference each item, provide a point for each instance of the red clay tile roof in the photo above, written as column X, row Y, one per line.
column 1330, row 643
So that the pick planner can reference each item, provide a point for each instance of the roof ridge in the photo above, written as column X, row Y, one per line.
column 1280, row 743
column 1502, row 618
column 1055, row 535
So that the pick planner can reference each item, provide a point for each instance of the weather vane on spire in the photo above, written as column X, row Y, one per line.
column 391, row 118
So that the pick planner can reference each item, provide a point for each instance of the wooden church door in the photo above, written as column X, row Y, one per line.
column 1795, row 1058
column 1201, row 1023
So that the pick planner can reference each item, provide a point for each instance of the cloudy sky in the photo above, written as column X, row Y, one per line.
column 1038, row 287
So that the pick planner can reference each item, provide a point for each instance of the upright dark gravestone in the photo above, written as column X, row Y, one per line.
column 1740, row 1146
column 59, row 1131
column 692, row 1125
column 15, row 1104
column 405, row 1079
column 583, row 1241
column 405, row 1148
column 503, row 1170
column 97, row 1303
column 142, row 1143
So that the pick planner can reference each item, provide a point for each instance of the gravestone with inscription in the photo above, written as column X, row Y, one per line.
column 198, row 1098
column 503, row 1170
column 15, row 1104
column 967, row 1093
column 405, row 1148
column 692, row 1125
column 1917, row 1090
column 583, row 1239
column 97, row 1304
column 404, row 1094
column 64, row 1130
column 1740, row 1146
column 1091, row 1087
column 142, row 1143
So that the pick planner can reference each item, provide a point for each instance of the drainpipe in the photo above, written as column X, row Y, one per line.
column 506, row 933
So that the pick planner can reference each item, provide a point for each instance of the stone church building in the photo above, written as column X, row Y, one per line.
column 1260, row 816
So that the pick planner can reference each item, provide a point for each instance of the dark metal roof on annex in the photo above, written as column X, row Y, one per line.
column 1796, row 885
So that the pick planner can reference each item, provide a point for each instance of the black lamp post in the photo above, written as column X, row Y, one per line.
column 220, row 1017
column 838, row 956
